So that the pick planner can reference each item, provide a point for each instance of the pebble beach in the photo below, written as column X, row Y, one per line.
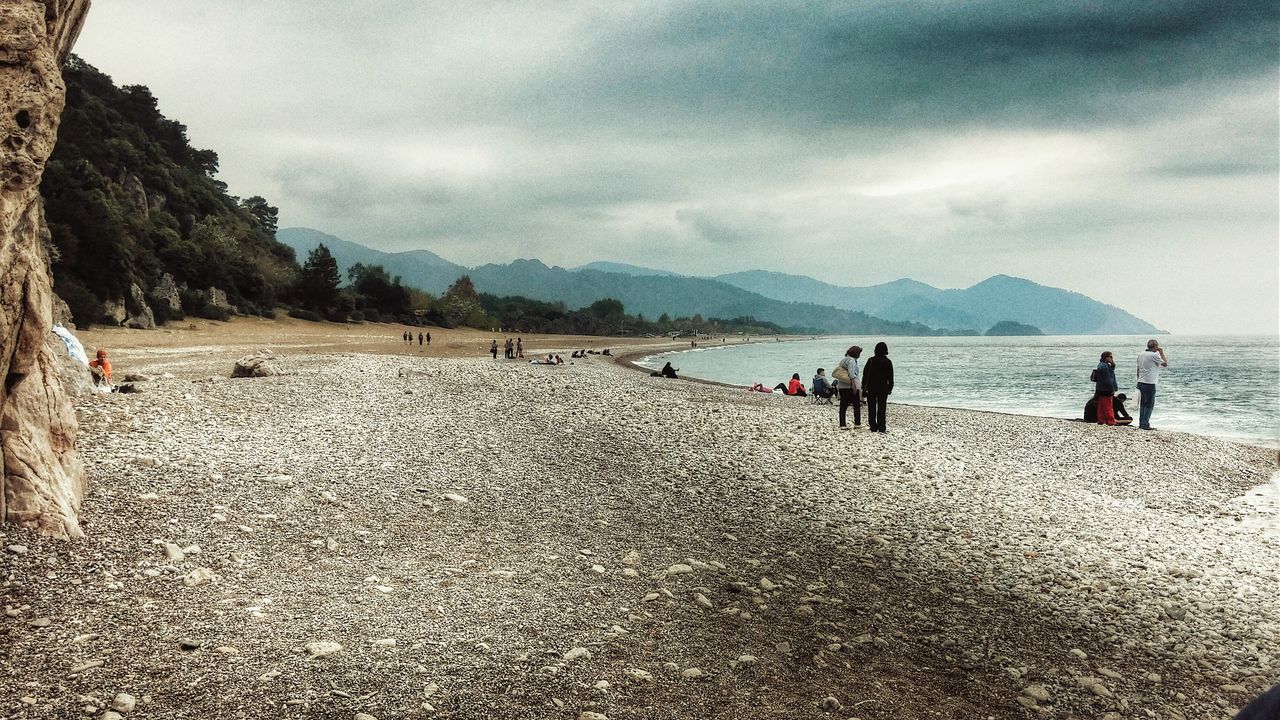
column 415, row 537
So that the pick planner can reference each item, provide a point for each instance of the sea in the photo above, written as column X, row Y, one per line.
column 1222, row 385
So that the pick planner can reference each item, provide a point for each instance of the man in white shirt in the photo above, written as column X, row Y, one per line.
column 1150, row 363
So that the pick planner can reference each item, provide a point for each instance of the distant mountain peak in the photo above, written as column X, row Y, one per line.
column 625, row 269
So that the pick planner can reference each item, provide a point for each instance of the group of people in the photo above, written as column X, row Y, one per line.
column 408, row 338
column 1106, row 407
column 511, row 349
column 872, row 383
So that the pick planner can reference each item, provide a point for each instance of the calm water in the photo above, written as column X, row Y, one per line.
column 1215, row 385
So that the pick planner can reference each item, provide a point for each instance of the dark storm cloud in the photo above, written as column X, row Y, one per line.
column 910, row 64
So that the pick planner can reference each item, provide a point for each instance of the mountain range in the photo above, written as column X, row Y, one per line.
column 901, row 307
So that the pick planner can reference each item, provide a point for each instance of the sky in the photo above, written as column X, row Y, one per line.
column 1126, row 150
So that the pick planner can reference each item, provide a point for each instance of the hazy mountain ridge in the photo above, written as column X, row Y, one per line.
column 422, row 269
column 898, row 307
column 1001, row 297
column 650, row 295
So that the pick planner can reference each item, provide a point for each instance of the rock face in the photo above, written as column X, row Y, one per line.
column 166, row 291
column 140, row 315
column 42, row 480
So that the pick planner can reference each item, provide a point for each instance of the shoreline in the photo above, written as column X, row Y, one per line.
column 630, row 361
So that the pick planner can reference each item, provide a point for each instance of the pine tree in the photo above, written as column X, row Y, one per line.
column 319, row 280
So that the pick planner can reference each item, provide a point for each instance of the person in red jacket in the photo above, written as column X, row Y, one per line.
column 794, row 387
column 100, row 366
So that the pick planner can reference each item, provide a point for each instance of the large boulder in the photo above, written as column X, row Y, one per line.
column 62, row 313
column 75, row 376
column 263, row 363
column 140, row 315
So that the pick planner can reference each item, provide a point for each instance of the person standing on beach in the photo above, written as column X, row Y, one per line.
column 1104, row 388
column 419, row 341
column 877, row 385
column 493, row 349
column 849, row 389
column 1150, row 362
column 519, row 347
column 428, row 339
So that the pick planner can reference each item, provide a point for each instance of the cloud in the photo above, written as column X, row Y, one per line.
column 944, row 140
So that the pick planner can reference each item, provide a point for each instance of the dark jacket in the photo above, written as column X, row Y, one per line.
column 877, row 375
column 1105, row 384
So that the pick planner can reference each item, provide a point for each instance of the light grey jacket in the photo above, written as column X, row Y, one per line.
column 850, row 364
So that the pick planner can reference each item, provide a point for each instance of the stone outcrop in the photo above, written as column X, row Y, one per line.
column 167, row 292
column 75, row 376
column 42, row 479
column 140, row 315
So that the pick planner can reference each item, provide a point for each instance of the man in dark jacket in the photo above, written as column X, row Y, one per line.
column 877, row 384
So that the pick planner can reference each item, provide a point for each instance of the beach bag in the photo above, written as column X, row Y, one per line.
column 841, row 374
column 1093, row 376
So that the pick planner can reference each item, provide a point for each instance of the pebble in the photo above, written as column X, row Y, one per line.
column 364, row 716
column 767, row 585
column 322, row 648
column 638, row 675
column 199, row 576
column 578, row 653
column 174, row 553
column 702, row 600
column 1038, row 692
column 691, row 673
column 124, row 703
column 830, row 704
column 679, row 569
column 17, row 549
column 91, row 664
column 456, row 498
column 589, row 715
column 747, row 659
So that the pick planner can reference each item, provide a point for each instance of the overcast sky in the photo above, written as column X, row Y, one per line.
column 1126, row 150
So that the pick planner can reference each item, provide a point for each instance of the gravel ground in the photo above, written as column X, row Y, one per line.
column 457, row 538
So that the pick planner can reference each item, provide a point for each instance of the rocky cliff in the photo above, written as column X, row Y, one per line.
column 42, row 480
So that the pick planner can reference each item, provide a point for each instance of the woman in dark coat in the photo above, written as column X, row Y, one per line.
column 1104, row 388
column 877, row 384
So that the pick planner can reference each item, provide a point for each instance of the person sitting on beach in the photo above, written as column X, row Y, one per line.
column 821, row 385
column 1117, row 405
column 100, row 366
column 667, row 372
column 606, row 352
column 559, row 360
column 793, row 386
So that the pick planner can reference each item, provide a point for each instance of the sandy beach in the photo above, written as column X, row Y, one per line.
column 434, row 534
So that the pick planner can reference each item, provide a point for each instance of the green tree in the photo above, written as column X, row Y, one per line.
column 268, row 216
column 460, row 304
column 318, row 282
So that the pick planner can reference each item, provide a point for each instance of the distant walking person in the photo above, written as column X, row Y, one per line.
column 519, row 347
column 849, row 385
column 1150, row 362
column 877, row 385
column 428, row 339
column 1104, row 388
column 419, row 341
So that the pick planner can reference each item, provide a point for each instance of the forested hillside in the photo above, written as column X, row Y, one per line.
column 128, row 200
